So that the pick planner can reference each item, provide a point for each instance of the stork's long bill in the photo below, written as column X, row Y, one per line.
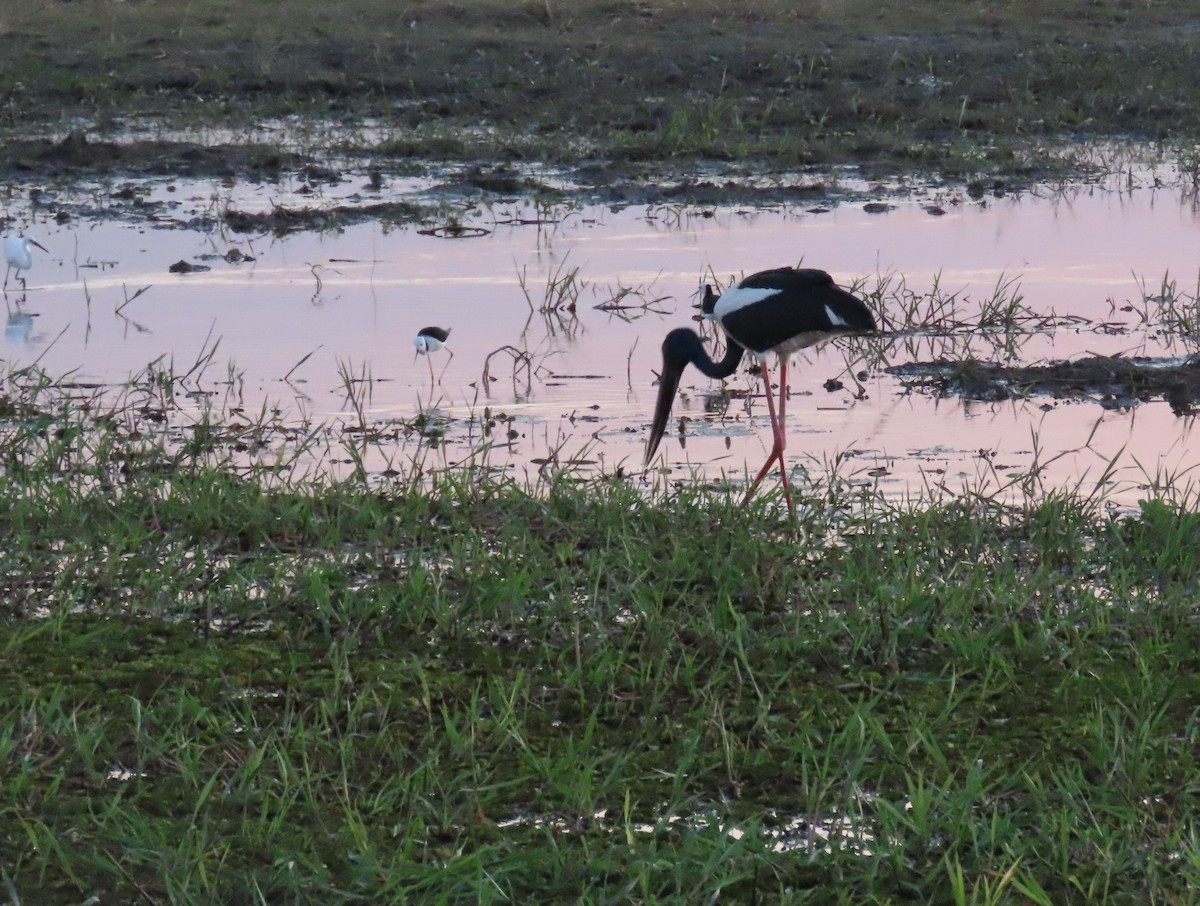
column 680, row 347
column 777, row 311
column 668, row 383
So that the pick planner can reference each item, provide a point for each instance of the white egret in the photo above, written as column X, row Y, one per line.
column 18, row 252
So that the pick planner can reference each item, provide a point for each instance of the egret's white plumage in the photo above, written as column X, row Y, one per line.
column 18, row 254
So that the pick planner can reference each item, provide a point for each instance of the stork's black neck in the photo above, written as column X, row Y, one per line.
column 684, row 345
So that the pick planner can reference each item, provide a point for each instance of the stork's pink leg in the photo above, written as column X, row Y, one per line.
column 774, row 440
column 779, row 441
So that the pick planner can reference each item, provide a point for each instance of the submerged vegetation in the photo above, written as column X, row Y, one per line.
column 222, row 684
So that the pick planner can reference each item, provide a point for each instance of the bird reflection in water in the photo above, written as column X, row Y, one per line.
column 18, row 327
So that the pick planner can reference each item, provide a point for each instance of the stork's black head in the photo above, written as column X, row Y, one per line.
column 680, row 347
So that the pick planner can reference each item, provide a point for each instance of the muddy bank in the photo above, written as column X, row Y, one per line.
column 625, row 98
column 114, row 180
column 83, row 156
column 1114, row 382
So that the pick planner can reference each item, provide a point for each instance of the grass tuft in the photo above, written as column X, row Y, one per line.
column 223, row 684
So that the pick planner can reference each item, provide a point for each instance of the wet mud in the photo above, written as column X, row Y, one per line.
column 80, row 157
column 77, row 155
column 1113, row 382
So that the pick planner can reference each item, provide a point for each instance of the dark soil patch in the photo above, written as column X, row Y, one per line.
column 282, row 220
column 81, row 156
column 1113, row 381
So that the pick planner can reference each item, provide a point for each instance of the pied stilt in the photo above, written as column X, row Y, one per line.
column 431, row 339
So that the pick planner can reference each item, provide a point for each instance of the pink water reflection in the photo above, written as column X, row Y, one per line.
column 1073, row 252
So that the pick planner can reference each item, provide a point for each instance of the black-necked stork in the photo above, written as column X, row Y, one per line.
column 18, row 253
column 777, row 311
column 431, row 339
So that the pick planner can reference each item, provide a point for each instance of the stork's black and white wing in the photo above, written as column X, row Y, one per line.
column 786, row 309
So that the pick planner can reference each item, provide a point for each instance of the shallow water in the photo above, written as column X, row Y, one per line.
column 1080, row 253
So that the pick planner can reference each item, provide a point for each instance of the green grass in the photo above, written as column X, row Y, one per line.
column 219, row 685
column 968, row 87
